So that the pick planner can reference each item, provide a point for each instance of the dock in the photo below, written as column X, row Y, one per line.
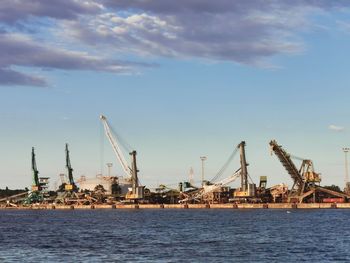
column 185, row 206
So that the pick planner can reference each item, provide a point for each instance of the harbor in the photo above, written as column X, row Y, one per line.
column 126, row 192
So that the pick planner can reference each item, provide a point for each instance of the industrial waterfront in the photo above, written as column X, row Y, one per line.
column 126, row 192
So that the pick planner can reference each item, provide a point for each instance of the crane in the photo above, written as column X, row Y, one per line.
column 214, row 185
column 247, row 191
column 35, row 195
column 305, row 178
column 137, row 191
column 36, row 184
column 115, row 146
column 71, row 186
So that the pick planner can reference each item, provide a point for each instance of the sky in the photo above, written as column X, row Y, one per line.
column 177, row 80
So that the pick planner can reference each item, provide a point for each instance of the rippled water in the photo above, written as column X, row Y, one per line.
column 175, row 236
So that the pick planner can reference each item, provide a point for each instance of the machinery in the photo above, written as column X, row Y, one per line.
column 35, row 195
column 279, row 193
column 211, row 190
column 208, row 189
column 71, row 186
column 246, row 190
column 305, row 180
column 136, row 192
column 67, row 192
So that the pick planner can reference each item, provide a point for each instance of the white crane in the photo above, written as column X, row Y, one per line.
column 136, row 191
column 207, row 189
column 115, row 145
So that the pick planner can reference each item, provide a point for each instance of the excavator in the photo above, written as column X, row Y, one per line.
column 306, row 182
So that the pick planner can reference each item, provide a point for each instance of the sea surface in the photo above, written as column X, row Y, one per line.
column 175, row 235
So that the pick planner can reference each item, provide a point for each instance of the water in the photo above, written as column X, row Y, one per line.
column 175, row 236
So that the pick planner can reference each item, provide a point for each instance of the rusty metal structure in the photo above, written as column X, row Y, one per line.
column 306, row 182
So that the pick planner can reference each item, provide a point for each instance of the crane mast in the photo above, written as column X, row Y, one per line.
column 36, row 184
column 116, row 148
column 244, row 170
column 134, row 178
column 35, row 195
column 71, row 186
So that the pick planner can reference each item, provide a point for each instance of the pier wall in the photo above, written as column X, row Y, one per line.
column 188, row 206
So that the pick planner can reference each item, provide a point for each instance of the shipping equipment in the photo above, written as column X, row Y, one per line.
column 35, row 195
column 305, row 180
column 216, row 189
column 247, row 190
column 136, row 191
column 67, row 192
column 71, row 186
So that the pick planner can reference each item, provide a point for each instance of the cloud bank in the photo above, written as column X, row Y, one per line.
column 244, row 32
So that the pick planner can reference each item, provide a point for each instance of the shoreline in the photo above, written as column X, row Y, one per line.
column 184, row 206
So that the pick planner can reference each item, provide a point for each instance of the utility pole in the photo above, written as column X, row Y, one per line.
column 203, row 158
column 109, row 165
column 347, row 184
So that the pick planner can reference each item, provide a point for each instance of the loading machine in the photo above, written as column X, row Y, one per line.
column 35, row 195
column 306, row 182
column 67, row 192
column 247, row 190
column 136, row 191
column 214, row 189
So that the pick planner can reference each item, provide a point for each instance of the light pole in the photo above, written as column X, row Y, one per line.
column 346, row 150
column 203, row 158
column 109, row 165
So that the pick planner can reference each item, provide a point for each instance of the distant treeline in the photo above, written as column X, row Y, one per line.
column 8, row 192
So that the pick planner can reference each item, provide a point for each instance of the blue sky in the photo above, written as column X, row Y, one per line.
column 178, row 81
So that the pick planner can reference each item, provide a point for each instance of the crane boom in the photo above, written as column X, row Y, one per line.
column 116, row 147
column 287, row 162
column 305, row 178
column 35, row 171
column 69, row 167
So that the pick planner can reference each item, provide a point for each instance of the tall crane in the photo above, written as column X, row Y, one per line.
column 244, row 170
column 137, row 191
column 246, row 190
column 115, row 146
column 215, row 184
column 304, row 178
column 35, row 195
column 36, row 184
column 71, row 186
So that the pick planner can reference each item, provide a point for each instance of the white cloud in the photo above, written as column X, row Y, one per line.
column 336, row 128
